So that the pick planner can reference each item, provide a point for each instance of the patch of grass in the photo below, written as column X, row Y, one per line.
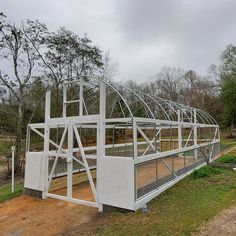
column 228, row 158
column 226, row 143
column 5, row 191
column 180, row 210
column 205, row 172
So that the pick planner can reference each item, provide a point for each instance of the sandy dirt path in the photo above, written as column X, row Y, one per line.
column 223, row 224
column 25, row 215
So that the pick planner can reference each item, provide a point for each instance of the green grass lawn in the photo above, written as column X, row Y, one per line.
column 181, row 210
column 226, row 143
column 5, row 191
column 228, row 158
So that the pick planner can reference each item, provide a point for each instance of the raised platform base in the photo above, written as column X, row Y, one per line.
column 33, row 193
column 107, row 208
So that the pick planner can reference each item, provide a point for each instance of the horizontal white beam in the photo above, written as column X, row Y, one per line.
column 168, row 122
column 74, row 200
column 94, row 126
column 172, row 152
column 94, row 118
column 119, row 120
column 37, row 125
column 85, row 83
column 72, row 101
column 76, row 171
column 73, row 119
column 93, row 148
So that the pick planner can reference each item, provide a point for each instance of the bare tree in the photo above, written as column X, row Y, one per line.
column 200, row 91
column 168, row 83
column 110, row 68
column 18, row 53
column 67, row 56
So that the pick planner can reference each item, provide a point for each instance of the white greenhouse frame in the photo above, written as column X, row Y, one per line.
column 116, row 181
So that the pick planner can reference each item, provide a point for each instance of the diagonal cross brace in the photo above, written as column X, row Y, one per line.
column 213, row 143
column 56, row 145
column 188, row 138
column 167, row 166
column 152, row 142
column 85, row 164
column 146, row 138
column 57, row 156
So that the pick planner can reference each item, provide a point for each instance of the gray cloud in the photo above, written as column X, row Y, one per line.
column 142, row 35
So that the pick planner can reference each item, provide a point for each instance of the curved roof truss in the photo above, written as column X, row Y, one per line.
column 126, row 102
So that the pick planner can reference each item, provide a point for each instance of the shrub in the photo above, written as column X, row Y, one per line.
column 205, row 172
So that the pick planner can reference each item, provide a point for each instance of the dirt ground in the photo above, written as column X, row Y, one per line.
column 224, row 224
column 25, row 215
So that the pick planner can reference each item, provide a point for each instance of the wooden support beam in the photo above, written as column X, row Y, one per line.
column 60, row 182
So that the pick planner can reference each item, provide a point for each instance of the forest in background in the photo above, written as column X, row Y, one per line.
column 33, row 60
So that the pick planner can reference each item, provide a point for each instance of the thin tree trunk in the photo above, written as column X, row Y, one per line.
column 19, row 136
column 57, row 100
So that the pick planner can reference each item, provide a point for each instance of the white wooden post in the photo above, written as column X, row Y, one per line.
column 101, row 135
column 135, row 145
column 102, row 111
column 46, row 142
column 69, row 161
column 47, row 105
column 179, row 133
column 13, row 148
column 195, row 133
column 81, row 91
column 160, row 149
column 64, row 99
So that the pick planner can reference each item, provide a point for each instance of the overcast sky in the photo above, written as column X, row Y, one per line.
column 141, row 35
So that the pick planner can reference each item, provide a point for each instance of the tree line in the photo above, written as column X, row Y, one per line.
column 34, row 59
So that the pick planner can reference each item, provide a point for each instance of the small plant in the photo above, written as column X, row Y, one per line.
column 205, row 172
